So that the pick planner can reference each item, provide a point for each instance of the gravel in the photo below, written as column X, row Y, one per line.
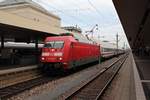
column 55, row 88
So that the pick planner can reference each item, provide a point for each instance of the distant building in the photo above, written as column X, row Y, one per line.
column 30, row 10
column 73, row 29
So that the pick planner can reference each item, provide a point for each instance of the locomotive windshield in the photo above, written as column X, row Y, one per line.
column 54, row 44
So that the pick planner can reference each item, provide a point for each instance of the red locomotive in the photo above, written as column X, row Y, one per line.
column 67, row 52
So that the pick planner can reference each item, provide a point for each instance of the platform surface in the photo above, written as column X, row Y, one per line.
column 143, row 66
column 16, row 69
column 123, row 85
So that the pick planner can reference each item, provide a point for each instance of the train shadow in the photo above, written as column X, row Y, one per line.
column 82, row 67
column 63, row 73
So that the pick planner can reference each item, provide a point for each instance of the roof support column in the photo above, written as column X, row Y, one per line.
column 36, row 43
column 36, row 50
column 2, row 41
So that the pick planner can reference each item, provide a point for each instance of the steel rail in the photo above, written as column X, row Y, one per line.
column 69, row 96
column 12, row 77
column 110, row 80
column 10, row 91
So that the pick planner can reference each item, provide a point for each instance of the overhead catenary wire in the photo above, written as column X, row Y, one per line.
column 79, row 19
column 88, row 12
column 97, row 10
column 72, row 10
column 86, row 9
column 91, row 4
column 64, row 13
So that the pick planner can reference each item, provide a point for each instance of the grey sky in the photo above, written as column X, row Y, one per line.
column 87, row 13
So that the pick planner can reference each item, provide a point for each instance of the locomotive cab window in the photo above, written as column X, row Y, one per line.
column 54, row 44
column 58, row 44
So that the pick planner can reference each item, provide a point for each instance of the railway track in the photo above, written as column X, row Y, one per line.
column 9, row 91
column 18, row 80
column 94, row 87
column 21, row 85
column 18, row 75
column 13, row 81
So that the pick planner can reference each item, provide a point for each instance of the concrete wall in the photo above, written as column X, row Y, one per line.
column 29, row 12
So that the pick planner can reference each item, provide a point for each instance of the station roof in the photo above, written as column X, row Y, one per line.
column 135, row 18
column 10, row 3
column 19, row 27
column 12, row 25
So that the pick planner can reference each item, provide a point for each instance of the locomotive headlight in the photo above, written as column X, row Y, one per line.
column 43, row 58
column 58, row 54
column 60, row 58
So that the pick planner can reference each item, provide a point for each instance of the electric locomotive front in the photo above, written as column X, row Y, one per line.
column 55, row 53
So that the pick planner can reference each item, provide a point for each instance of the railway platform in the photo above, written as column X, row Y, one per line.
column 6, row 70
column 131, row 82
column 143, row 63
